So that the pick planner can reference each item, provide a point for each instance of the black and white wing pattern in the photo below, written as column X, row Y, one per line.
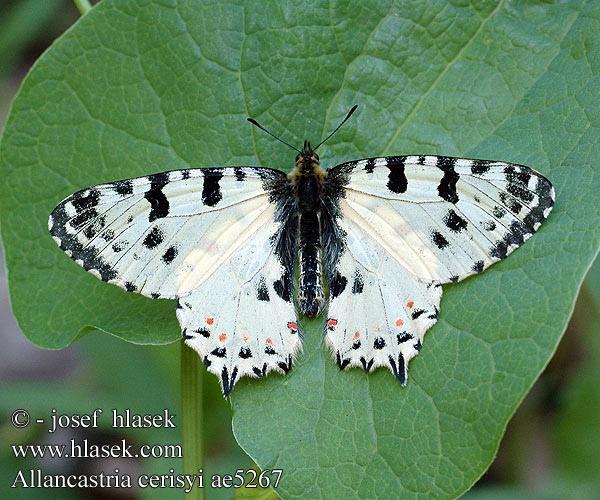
column 218, row 240
column 401, row 226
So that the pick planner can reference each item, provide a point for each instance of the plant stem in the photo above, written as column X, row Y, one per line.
column 83, row 6
column 191, row 417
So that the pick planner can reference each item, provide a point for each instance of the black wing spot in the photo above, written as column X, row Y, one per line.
column 169, row 255
column 269, row 350
column 207, row 362
column 379, row 343
column 205, row 332
column 258, row 372
column 447, row 186
column 499, row 250
column 286, row 365
column 154, row 295
column 545, row 201
column 480, row 167
column 185, row 335
column 513, row 205
column 219, row 352
column 338, row 284
column 454, row 222
column 108, row 235
column 418, row 346
column 403, row 337
column 130, row 287
column 520, row 176
column 153, row 238
column 185, row 173
column 282, row 287
column 366, row 365
column 421, row 160
column 370, row 165
column 518, row 230
column 498, row 212
column 227, row 381
column 478, row 266
column 83, row 218
column 417, row 312
column 159, row 205
column 398, row 370
column 520, row 192
column 489, row 225
column 435, row 314
column 123, row 188
column 240, row 175
column 359, row 284
column 342, row 363
column 439, row 240
column 94, row 228
column 356, row 344
column 397, row 181
column 453, row 279
column 262, row 293
column 245, row 353
column 81, row 201
column 211, row 191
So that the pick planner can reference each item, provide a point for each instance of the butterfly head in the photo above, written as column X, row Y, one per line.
column 307, row 155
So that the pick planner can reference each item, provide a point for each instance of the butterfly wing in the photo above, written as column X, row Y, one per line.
column 405, row 224
column 242, row 320
column 221, row 240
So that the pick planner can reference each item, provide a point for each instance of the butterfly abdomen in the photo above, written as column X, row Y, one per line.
column 310, row 289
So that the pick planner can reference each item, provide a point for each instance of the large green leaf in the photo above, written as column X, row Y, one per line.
column 143, row 86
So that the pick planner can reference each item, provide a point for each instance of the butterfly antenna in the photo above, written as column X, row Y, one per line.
column 338, row 127
column 254, row 122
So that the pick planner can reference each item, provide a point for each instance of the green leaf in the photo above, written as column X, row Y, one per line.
column 146, row 86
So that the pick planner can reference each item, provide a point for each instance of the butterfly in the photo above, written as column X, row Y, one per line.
column 373, row 240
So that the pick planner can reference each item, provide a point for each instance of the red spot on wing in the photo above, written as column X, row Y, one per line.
column 410, row 304
column 209, row 321
column 331, row 322
column 292, row 326
column 222, row 337
column 356, row 335
column 244, row 338
column 399, row 322
column 269, row 341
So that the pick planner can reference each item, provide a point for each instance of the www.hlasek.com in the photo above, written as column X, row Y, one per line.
column 37, row 478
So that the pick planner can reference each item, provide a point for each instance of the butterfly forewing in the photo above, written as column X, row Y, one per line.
column 444, row 218
column 164, row 234
column 242, row 320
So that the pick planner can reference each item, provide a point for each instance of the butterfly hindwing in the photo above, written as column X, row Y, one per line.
column 405, row 225
column 242, row 320
column 379, row 313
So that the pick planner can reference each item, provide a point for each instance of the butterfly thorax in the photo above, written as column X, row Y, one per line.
column 307, row 179
column 307, row 165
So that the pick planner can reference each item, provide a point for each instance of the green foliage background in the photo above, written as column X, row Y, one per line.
column 144, row 86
